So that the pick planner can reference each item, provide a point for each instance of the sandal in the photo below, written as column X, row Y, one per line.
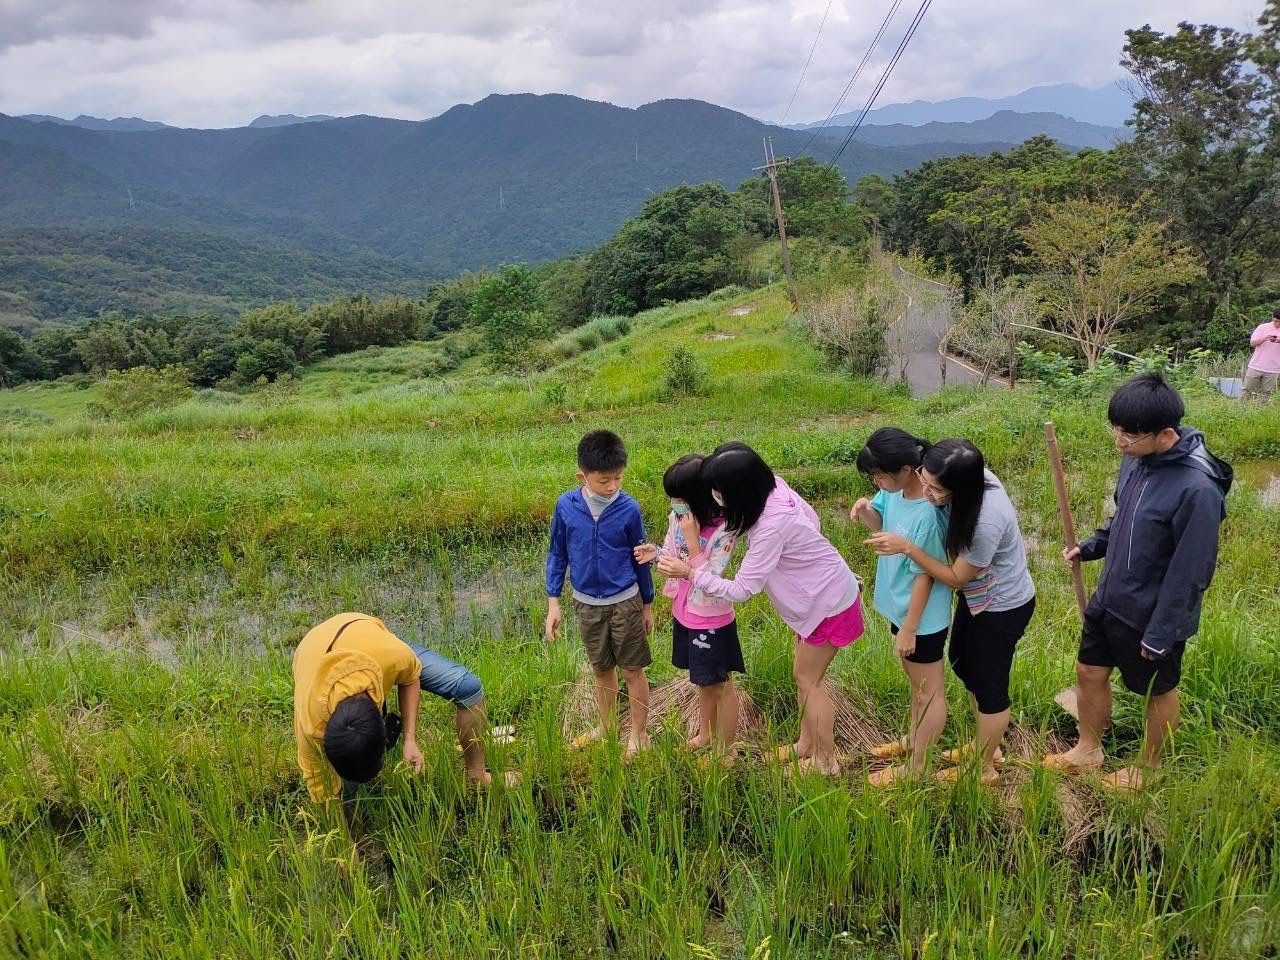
column 893, row 750
column 1062, row 763
column 1126, row 779
column 889, row 776
column 961, row 755
column 953, row 774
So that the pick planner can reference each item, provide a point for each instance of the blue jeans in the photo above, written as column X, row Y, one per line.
column 443, row 678
column 448, row 680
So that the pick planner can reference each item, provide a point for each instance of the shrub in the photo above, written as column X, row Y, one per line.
column 128, row 393
column 685, row 375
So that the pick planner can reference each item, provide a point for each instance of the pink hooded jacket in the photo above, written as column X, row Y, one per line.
column 803, row 575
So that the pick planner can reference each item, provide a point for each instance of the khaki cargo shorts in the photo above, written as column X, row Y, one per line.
column 614, row 635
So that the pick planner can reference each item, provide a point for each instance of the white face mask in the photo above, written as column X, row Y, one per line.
column 715, row 495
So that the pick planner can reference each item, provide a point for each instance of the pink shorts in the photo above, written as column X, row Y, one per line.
column 838, row 630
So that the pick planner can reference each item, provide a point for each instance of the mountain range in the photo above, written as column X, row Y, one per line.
column 1109, row 105
column 369, row 203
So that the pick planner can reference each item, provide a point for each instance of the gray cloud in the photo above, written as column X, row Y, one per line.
column 220, row 62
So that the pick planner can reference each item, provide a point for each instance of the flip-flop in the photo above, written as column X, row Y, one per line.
column 953, row 775
column 1125, row 780
column 1061, row 763
column 962, row 755
column 787, row 753
column 889, row 776
column 584, row 740
column 893, row 750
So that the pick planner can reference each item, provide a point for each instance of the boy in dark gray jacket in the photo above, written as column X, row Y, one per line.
column 1158, row 550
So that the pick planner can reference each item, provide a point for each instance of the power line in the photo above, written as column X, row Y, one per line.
column 893, row 9
column 792, row 101
column 884, row 78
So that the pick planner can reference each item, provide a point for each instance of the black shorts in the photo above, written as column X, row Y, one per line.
column 1107, row 641
column 929, row 646
column 981, row 651
column 708, row 655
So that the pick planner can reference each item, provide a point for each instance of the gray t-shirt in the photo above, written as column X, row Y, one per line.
column 1004, row 582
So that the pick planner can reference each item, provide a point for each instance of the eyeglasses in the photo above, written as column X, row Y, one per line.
column 1128, row 439
column 929, row 487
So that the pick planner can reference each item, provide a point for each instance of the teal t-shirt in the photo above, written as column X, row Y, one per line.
column 923, row 524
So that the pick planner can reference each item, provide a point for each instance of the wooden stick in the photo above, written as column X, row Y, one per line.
column 1064, row 507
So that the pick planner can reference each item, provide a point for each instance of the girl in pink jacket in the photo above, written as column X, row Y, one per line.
column 805, row 578
column 704, row 634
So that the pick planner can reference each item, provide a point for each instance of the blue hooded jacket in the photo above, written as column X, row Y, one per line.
column 1161, row 545
column 597, row 553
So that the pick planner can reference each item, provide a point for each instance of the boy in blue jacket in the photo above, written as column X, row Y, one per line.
column 1158, row 553
column 594, row 531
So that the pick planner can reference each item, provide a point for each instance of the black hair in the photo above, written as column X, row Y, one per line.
column 1145, row 404
column 684, row 481
column 601, row 451
column 1275, row 314
column 743, row 480
column 959, row 468
column 355, row 741
column 890, row 449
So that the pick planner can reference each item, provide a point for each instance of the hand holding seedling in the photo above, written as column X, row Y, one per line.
column 412, row 754
column 888, row 544
column 646, row 553
column 862, row 511
column 673, row 566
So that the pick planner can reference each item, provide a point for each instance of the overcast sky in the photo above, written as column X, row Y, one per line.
column 215, row 63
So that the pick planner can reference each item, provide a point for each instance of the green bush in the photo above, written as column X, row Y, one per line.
column 128, row 393
column 685, row 375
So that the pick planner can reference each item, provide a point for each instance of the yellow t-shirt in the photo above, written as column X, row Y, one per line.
column 366, row 658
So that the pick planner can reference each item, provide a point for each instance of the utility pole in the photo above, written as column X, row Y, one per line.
column 771, row 168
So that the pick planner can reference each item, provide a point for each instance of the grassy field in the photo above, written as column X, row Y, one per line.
column 156, row 574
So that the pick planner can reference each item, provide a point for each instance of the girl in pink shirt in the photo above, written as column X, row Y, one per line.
column 704, row 637
column 803, row 575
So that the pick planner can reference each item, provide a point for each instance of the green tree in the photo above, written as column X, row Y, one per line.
column 1100, row 265
column 266, row 358
column 507, row 307
column 1208, row 126
column 285, row 324
column 18, row 361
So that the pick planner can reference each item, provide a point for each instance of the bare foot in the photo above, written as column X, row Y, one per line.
column 830, row 768
column 699, row 742
column 637, row 744
column 588, row 738
column 1075, row 760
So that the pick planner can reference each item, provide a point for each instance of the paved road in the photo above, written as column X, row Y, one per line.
column 927, row 323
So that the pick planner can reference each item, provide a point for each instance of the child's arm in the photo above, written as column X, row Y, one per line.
column 409, row 695
column 557, row 564
column 864, row 512
column 905, row 642
column 644, row 574
column 763, row 554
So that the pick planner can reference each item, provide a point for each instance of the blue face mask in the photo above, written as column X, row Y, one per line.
column 598, row 500
column 680, row 509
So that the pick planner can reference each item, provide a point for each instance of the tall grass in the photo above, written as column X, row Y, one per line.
column 157, row 573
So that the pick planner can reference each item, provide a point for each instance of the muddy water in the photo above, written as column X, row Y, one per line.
column 1262, row 476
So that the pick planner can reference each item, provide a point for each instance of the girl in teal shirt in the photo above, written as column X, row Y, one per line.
column 918, row 608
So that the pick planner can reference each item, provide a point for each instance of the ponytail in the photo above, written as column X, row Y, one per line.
column 890, row 449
